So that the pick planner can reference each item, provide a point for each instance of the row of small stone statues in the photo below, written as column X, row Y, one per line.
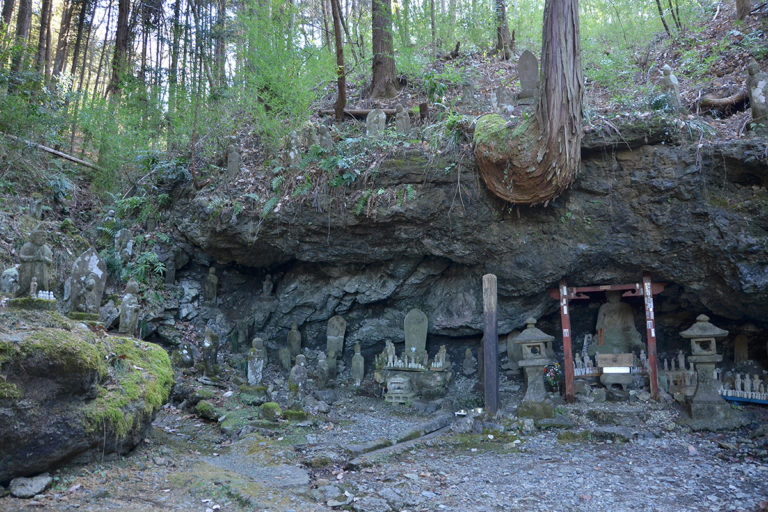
column 746, row 387
column 84, row 289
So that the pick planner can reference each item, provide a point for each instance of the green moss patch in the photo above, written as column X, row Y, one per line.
column 270, row 411
column 206, row 410
column 32, row 304
column 84, row 317
column 295, row 415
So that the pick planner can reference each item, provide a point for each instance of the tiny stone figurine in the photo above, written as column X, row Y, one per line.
column 211, row 286
column 358, row 366
column 375, row 122
column 36, row 261
column 737, row 382
column 129, row 309
column 671, row 87
column 210, row 351
column 33, row 287
column 294, row 340
column 325, row 139
column 390, row 349
column 284, row 355
column 441, row 360
column 747, row 382
column 402, row 120
column 256, row 361
column 680, row 360
column 757, row 89
column 298, row 376
column 470, row 363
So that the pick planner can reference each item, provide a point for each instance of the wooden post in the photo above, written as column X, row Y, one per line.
column 565, row 320
column 650, row 330
column 490, row 346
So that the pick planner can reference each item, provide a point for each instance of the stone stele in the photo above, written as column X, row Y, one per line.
column 528, row 70
column 89, row 276
column 337, row 326
column 415, row 328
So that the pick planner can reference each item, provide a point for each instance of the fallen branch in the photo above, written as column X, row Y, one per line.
column 360, row 113
column 55, row 152
column 733, row 103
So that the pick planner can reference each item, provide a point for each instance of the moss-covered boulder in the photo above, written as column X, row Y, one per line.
column 270, row 411
column 66, row 391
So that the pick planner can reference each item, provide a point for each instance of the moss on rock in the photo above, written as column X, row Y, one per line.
column 206, row 410
column 270, row 411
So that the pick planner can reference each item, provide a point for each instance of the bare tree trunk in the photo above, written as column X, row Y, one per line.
column 103, row 53
column 503, row 38
column 84, row 8
column 341, row 79
column 44, row 37
column 406, row 33
column 173, row 71
column 23, row 20
column 221, row 54
column 60, row 60
column 122, row 41
column 540, row 159
column 433, row 26
column 383, row 83
column 742, row 9
column 661, row 15
column 7, row 12
column 326, row 30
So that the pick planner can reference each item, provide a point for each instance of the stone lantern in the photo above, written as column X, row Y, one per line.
column 708, row 410
column 533, row 347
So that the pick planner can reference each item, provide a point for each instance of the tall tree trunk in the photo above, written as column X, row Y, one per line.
column 433, row 26
column 742, row 9
column 7, row 12
column 661, row 15
column 84, row 8
column 103, row 52
column 406, row 32
column 326, row 30
column 62, row 44
column 122, row 41
column 173, row 71
column 44, row 37
column 341, row 79
column 503, row 38
column 383, row 83
column 23, row 20
column 537, row 161
column 220, row 49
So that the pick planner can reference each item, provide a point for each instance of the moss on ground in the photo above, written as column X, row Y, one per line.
column 32, row 304
column 270, row 411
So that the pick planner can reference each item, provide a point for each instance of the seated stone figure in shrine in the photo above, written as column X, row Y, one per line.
column 616, row 328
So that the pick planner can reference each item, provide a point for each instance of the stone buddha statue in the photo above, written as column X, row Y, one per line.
column 616, row 327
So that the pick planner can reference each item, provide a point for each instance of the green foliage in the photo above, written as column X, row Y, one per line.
column 146, row 267
column 268, row 207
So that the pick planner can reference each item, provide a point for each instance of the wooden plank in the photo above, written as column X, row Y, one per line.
column 565, row 321
column 650, row 331
column 490, row 346
column 604, row 360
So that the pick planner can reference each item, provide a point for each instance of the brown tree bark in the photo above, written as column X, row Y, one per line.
column 383, row 83
column 61, row 45
column 7, row 12
column 23, row 20
column 220, row 57
column 122, row 41
column 504, row 41
column 742, row 9
column 341, row 78
column 173, row 71
column 84, row 10
column 661, row 15
column 538, row 159
column 44, row 37
column 326, row 30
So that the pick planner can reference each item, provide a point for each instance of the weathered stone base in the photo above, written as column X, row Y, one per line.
column 536, row 410
column 714, row 416
column 32, row 304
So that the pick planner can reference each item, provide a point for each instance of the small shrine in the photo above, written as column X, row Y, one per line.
column 412, row 373
column 533, row 347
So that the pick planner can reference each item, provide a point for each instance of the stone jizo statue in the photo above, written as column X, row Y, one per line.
column 671, row 87
column 375, row 122
column 616, row 326
column 257, row 359
column 298, row 376
column 211, row 286
column 210, row 350
column 36, row 261
column 89, row 277
column 358, row 366
column 470, row 363
column 129, row 309
column 294, row 340
column 402, row 120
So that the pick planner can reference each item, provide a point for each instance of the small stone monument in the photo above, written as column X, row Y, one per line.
column 294, row 340
column 671, row 88
column 335, row 331
column 441, row 361
column 9, row 282
column 257, row 359
column 211, row 286
column 740, row 349
column 89, row 277
column 616, row 331
column 321, row 371
column 332, row 365
column 233, row 161
column 528, row 70
column 402, row 120
column 293, row 150
column 298, row 376
column 505, row 100
column 210, row 350
column 36, row 261
column 324, row 137
column 358, row 366
column 33, row 288
column 284, row 356
column 415, row 328
column 708, row 410
column 129, row 309
column 470, row 363
column 399, row 389
column 533, row 346
column 467, row 92
column 375, row 122
column 123, row 242
column 757, row 90
column 310, row 135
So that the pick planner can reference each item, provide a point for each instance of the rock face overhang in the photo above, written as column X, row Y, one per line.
column 694, row 216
